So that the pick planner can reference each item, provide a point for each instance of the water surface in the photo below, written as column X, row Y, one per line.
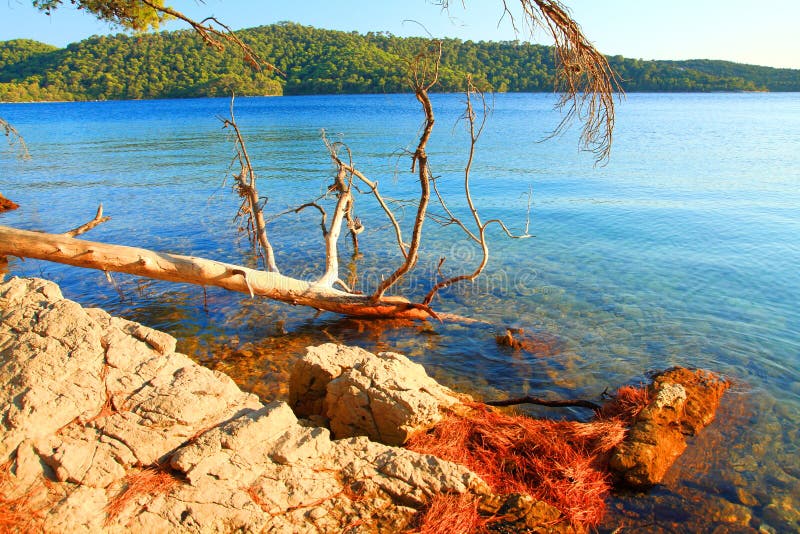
column 682, row 250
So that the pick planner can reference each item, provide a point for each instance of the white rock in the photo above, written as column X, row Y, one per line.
column 386, row 397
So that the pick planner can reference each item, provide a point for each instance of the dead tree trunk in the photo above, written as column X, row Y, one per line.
column 60, row 248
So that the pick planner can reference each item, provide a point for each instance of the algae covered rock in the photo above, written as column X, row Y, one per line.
column 682, row 402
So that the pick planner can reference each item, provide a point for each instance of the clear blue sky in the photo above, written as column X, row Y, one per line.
column 762, row 32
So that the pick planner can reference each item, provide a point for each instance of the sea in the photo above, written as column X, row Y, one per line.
column 681, row 249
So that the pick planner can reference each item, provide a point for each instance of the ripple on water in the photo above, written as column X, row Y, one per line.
column 681, row 251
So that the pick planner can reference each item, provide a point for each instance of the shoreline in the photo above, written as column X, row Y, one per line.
column 142, row 436
column 409, row 93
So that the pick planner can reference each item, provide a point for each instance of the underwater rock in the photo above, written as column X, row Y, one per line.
column 683, row 402
column 7, row 205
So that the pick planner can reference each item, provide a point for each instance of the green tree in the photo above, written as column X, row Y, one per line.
column 139, row 15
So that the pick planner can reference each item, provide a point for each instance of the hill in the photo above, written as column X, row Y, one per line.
column 314, row 61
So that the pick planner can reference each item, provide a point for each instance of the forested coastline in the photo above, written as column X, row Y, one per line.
column 315, row 61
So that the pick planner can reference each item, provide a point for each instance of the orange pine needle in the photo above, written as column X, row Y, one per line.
column 451, row 514
column 562, row 463
column 148, row 481
column 19, row 514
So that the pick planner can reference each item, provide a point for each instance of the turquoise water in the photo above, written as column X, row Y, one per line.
column 682, row 250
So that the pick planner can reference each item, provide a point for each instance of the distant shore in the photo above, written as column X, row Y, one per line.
column 178, row 65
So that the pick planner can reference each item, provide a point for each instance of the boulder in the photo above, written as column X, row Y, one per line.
column 682, row 402
column 385, row 397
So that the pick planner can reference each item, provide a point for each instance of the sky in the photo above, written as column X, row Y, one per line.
column 760, row 32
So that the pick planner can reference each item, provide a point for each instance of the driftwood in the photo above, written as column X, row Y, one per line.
column 200, row 271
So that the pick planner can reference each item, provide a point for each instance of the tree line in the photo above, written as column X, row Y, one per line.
column 314, row 61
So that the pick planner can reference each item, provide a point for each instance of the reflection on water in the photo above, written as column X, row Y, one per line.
column 682, row 251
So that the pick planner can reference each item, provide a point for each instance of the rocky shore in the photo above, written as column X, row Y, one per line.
column 107, row 429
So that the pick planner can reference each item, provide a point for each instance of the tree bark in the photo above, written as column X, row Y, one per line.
column 200, row 271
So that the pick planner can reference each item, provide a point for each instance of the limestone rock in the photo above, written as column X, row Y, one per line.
column 80, row 455
column 682, row 402
column 299, row 474
column 35, row 399
column 101, row 414
column 312, row 374
column 80, row 511
column 386, row 396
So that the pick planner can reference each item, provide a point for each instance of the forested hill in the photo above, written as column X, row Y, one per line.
column 177, row 64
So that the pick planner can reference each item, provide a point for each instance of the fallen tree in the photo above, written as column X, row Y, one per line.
column 586, row 85
column 61, row 248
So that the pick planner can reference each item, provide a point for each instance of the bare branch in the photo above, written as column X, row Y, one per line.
column 200, row 271
column 424, row 75
column 323, row 222
column 251, row 209
column 216, row 38
column 475, row 127
column 14, row 138
column 343, row 285
column 508, row 232
column 451, row 218
column 82, row 229
column 373, row 186
column 342, row 187
column 474, row 134
column 528, row 214
column 354, row 226
column 577, row 403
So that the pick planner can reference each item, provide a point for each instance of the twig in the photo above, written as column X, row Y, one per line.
column 82, row 229
column 584, row 80
column 578, row 403
column 14, row 137
column 216, row 38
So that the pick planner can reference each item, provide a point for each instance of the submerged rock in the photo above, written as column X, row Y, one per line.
column 6, row 204
column 682, row 402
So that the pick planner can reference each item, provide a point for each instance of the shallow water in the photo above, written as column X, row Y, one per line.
column 682, row 250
